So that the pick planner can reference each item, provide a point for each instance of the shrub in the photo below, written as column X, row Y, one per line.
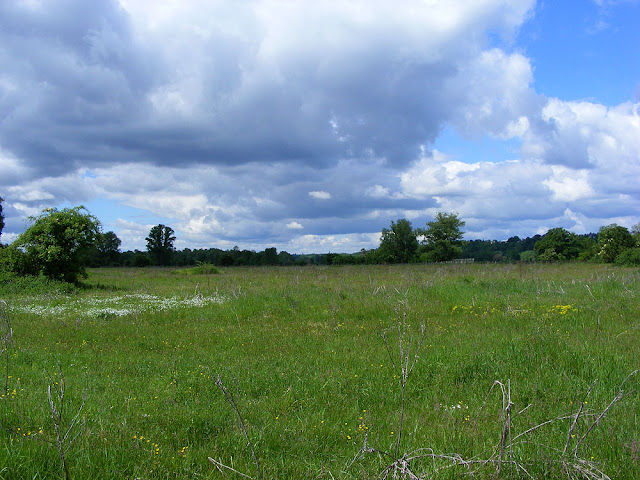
column 528, row 256
column 200, row 269
column 57, row 243
column 629, row 258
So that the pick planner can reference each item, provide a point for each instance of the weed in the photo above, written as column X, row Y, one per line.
column 65, row 428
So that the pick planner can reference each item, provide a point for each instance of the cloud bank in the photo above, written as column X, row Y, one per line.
column 309, row 126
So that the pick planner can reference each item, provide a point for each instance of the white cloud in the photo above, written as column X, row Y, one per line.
column 586, row 135
column 496, row 94
column 294, row 226
column 437, row 175
column 377, row 191
column 320, row 195
column 28, row 194
column 568, row 185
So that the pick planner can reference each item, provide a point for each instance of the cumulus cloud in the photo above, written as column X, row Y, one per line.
column 294, row 226
column 568, row 185
column 101, row 82
column 320, row 195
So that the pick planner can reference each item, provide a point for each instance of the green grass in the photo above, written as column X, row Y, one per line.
column 302, row 350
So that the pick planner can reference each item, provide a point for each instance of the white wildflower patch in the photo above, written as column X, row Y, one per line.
column 119, row 306
column 454, row 407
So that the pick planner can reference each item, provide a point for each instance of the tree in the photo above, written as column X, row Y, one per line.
column 635, row 232
column 269, row 256
column 557, row 244
column 528, row 256
column 58, row 243
column 1, row 216
column 108, row 246
column 399, row 244
column 442, row 237
column 612, row 241
column 160, row 244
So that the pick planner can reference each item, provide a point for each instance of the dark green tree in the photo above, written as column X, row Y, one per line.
column 557, row 244
column 398, row 244
column 269, row 256
column 160, row 244
column 108, row 247
column 285, row 258
column 442, row 238
column 635, row 232
column 58, row 243
column 612, row 241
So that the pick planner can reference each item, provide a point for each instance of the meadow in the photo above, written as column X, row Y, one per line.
column 509, row 371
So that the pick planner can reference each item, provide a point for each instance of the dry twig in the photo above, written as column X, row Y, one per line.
column 64, row 434
column 230, row 398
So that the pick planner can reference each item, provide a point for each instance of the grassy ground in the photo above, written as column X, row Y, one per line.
column 302, row 352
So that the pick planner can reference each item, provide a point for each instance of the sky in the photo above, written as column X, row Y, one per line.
column 310, row 125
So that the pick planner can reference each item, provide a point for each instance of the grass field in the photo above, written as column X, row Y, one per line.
column 303, row 353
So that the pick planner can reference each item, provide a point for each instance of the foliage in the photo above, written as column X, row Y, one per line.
column 8, row 258
column 557, row 244
column 442, row 237
column 588, row 247
column 57, row 243
column 612, row 241
column 269, row 257
column 200, row 269
column 140, row 259
column 160, row 244
column 528, row 256
column 108, row 248
column 398, row 244
column 629, row 258
column 635, row 232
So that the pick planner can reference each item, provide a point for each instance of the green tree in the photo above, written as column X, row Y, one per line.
column 269, row 256
column 160, row 244
column 612, row 241
column 528, row 256
column 398, row 244
column 442, row 238
column 635, row 232
column 557, row 244
column 58, row 243
column 108, row 247
column 629, row 258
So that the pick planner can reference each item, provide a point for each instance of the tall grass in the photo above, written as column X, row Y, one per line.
column 313, row 374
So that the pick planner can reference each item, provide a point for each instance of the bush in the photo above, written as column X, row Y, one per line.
column 141, row 260
column 200, row 269
column 14, row 279
column 528, row 256
column 58, row 243
column 629, row 258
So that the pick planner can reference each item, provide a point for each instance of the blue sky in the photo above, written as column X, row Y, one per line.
column 310, row 126
column 584, row 50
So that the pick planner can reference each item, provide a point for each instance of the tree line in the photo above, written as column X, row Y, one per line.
column 60, row 244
